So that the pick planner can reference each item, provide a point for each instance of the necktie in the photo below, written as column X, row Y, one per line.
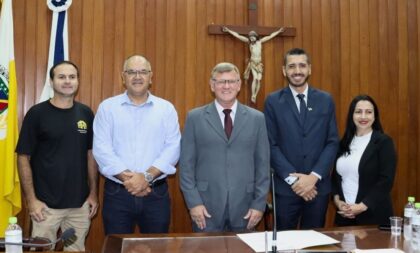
column 228, row 122
column 302, row 108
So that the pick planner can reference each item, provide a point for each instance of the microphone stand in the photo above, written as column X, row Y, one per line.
column 274, row 213
column 274, row 243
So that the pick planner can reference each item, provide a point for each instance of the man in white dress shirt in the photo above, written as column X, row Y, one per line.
column 136, row 144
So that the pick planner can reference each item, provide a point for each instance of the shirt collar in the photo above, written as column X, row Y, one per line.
column 126, row 100
column 220, row 109
column 294, row 93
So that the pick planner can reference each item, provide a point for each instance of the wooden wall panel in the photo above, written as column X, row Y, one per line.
column 357, row 46
column 411, row 116
column 403, row 136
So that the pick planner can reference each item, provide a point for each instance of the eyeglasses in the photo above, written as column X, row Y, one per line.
column 133, row 73
column 221, row 82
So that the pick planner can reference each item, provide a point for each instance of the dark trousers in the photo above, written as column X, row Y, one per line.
column 294, row 210
column 122, row 211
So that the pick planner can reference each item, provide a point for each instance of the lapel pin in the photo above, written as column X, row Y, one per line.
column 309, row 108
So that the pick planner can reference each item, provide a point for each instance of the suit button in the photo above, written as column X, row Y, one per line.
column 304, row 135
column 304, row 157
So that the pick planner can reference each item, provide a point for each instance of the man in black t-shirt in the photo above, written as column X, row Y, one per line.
column 57, row 170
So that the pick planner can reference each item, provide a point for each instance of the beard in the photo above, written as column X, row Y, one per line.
column 297, row 85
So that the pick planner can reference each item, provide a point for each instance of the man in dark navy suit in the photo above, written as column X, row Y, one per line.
column 303, row 137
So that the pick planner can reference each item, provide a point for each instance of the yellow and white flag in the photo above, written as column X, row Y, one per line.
column 10, row 198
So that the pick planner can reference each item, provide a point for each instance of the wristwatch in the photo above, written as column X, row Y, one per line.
column 148, row 177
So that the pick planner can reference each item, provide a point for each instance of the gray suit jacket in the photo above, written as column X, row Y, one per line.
column 215, row 171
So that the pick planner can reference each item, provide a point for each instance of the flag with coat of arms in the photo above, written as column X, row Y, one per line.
column 10, row 195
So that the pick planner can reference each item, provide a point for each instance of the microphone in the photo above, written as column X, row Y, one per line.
column 67, row 234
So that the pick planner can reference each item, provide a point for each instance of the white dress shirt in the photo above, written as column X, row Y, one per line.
column 136, row 137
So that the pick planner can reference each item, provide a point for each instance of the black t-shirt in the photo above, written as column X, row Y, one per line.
column 57, row 141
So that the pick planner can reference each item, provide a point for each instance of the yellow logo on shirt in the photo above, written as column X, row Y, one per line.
column 82, row 126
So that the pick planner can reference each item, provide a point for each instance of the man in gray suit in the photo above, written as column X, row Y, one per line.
column 224, row 163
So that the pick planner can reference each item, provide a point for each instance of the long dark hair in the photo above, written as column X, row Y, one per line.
column 350, row 131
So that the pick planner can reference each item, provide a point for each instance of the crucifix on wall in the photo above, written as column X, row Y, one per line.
column 251, row 34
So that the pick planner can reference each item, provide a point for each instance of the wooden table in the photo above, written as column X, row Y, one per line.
column 350, row 237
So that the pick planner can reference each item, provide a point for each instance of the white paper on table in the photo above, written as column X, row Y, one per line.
column 378, row 251
column 287, row 240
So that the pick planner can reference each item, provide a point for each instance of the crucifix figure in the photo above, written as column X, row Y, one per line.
column 250, row 34
column 255, row 65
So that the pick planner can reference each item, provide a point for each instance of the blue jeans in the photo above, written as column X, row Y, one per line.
column 122, row 211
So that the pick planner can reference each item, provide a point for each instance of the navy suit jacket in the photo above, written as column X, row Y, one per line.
column 301, row 148
column 376, row 176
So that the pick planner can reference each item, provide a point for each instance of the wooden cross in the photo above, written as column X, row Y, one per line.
column 252, row 25
column 260, row 30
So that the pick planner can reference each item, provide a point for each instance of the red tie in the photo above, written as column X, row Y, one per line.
column 228, row 122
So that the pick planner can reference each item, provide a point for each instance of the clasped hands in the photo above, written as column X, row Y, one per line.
column 135, row 183
column 349, row 211
column 305, row 186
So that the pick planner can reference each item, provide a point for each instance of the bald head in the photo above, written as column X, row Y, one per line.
column 136, row 58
